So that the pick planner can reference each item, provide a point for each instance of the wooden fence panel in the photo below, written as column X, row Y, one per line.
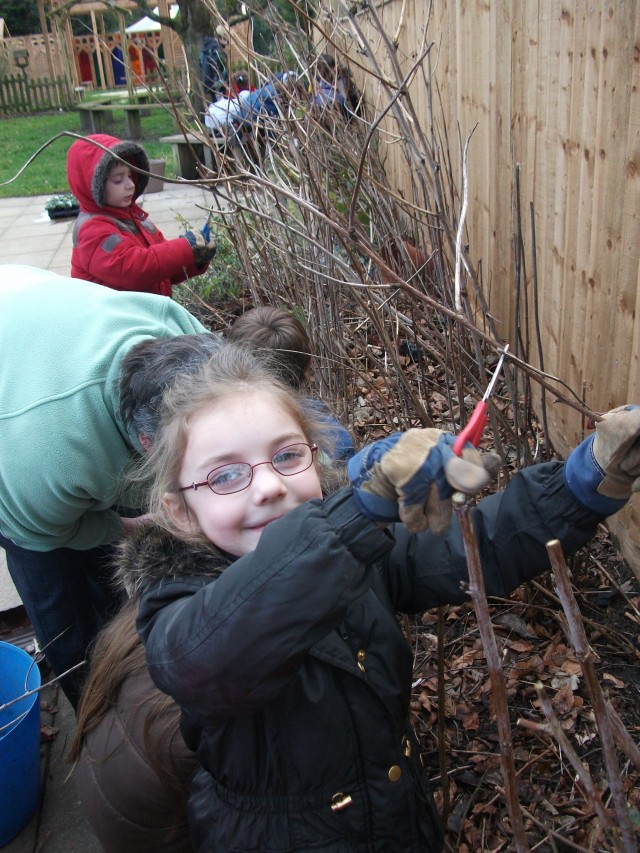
column 553, row 92
column 20, row 95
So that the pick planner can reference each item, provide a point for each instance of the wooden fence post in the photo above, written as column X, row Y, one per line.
column 19, row 96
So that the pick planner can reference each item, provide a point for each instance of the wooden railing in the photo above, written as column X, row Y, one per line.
column 19, row 95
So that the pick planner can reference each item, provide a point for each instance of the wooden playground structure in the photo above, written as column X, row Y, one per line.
column 137, row 53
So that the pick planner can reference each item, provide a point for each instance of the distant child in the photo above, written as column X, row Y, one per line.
column 269, row 612
column 276, row 330
column 114, row 241
column 333, row 86
column 224, row 115
column 262, row 112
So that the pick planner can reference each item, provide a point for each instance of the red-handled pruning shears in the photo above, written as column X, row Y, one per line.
column 474, row 429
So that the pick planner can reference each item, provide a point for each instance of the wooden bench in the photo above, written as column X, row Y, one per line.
column 187, row 151
column 85, row 111
column 96, row 116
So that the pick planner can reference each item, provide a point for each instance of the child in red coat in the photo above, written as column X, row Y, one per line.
column 114, row 242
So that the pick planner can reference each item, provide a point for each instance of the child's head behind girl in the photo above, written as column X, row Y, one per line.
column 272, row 328
column 235, row 450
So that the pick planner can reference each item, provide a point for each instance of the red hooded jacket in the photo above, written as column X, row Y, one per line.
column 120, row 247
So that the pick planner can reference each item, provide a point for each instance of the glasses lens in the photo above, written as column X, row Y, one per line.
column 230, row 478
column 292, row 459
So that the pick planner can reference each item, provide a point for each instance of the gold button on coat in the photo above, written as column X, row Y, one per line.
column 340, row 801
column 394, row 773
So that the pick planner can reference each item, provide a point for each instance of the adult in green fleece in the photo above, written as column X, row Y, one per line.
column 71, row 352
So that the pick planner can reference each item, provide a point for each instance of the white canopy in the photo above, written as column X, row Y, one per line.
column 147, row 25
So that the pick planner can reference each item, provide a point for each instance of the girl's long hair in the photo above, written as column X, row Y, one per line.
column 118, row 655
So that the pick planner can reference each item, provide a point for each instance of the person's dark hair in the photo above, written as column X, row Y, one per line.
column 151, row 367
column 326, row 67
column 275, row 329
column 240, row 78
column 339, row 76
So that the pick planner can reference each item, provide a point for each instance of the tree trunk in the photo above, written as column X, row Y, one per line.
column 196, row 22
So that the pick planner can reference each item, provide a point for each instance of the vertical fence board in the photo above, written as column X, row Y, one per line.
column 567, row 219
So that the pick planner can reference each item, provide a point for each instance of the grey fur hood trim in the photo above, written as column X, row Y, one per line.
column 151, row 554
column 129, row 151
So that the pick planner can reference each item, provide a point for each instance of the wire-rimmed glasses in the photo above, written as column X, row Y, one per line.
column 236, row 476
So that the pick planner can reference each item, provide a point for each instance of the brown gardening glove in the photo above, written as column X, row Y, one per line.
column 604, row 470
column 411, row 476
column 203, row 245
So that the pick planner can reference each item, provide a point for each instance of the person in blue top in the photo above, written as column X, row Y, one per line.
column 276, row 330
column 259, row 112
column 265, row 100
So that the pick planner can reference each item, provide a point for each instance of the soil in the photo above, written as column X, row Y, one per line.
column 535, row 654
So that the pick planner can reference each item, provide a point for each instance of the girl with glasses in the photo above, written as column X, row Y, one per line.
column 269, row 599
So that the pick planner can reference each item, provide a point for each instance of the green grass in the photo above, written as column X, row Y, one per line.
column 20, row 138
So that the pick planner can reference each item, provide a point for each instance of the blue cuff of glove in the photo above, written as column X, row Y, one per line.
column 359, row 469
column 376, row 508
column 583, row 475
column 190, row 237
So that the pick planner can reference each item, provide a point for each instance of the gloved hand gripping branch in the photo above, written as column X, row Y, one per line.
column 603, row 471
column 411, row 476
column 202, row 245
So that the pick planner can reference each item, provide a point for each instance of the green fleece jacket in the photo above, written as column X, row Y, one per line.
column 63, row 447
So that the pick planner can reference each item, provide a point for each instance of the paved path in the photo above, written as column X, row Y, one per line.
column 28, row 236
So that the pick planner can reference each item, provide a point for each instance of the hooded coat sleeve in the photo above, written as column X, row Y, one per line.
column 128, row 260
column 512, row 529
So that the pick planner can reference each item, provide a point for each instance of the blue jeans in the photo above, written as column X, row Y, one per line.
column 67, row 595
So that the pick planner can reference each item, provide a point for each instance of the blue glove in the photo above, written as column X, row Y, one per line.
column 604, row 470
column 411, row 476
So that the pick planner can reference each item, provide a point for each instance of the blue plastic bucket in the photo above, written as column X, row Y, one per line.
column 19, row 741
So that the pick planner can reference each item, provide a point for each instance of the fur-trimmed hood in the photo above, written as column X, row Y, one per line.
column 88, row 168
column 151, row 554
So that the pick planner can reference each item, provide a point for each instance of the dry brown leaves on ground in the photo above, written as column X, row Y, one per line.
column 533, row 646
